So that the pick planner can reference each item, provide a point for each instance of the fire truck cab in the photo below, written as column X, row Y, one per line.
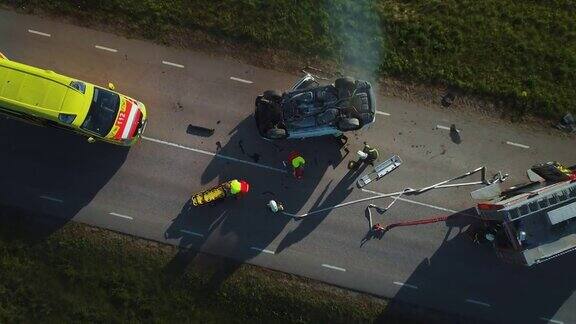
column 535, row 222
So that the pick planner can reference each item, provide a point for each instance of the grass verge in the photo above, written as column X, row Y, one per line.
column 77, row 273
column 521, row 53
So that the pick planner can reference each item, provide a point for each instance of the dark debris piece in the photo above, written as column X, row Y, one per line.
column 567, row 123
column 199, row 130
column 448, row 99
column 455, row 134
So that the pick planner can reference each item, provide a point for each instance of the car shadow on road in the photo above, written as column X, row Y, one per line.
column 462, row 269
column 51, row 173
column 240, row 228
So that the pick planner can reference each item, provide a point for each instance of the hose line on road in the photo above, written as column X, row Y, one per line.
column 499, row 177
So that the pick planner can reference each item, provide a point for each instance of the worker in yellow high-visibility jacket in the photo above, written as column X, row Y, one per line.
column 237, row 187
column 297, row 162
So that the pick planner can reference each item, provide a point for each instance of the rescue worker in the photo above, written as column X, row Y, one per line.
column 275, row 206
column 237, row 187
column 368, row 155
column 297, row 162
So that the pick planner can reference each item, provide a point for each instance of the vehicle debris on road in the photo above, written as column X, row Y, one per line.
column 567, row 123
column 199, row 130
column 455, row 134
column 380, row 170
column 448, row 99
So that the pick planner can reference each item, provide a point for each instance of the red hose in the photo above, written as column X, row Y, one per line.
column 418, row 222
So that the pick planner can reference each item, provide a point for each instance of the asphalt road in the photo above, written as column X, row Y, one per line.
column 144, row 190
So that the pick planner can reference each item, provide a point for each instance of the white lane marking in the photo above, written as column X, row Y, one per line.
column 473, row 301
column 551, row 320
column 52, row 199
column 32, row 31
column 518, row 145
column 192, row 233
column 262, row 250
column 173, row 64
column 104, row 48
column 413, row 202
column 218, row 155
column 241, row 80
column 121, row 216
column 445, row 128
column 333, row 267
column 382, row 113
column 405, row 285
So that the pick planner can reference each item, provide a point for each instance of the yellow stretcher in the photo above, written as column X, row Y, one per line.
column 210, row 195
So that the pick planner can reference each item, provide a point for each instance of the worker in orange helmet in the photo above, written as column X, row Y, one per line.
column 238, row 187
column 297, row 162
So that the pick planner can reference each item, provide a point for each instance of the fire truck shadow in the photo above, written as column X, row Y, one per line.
column 51, row 173
column 241, row 228
column 467, row 278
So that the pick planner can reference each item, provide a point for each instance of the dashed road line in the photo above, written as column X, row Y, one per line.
column 446, row 128
column 173, row 64
column 262, row 250
column 405, row 285
column 333, row 267
column 551, row 320
column 32, row 31
column 413, row 202
column 473, row 301
column 52, row 199
column 192, row 233
column 218, row 155
column 241, row 80
column 382, row 113
column 518, row 145
column 104, row 48
column 121, row 216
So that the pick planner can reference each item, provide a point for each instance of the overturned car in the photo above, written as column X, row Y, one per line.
column 309, row 109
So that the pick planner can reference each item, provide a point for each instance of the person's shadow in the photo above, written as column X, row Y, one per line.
column 50, row 173
column 336, row 195
column 241, row 228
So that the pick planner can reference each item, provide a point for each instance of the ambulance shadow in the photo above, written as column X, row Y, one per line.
column 237, row 228
column 461, row 269
column 51, row 173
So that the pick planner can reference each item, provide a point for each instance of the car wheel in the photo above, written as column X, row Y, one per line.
column 348, row 124
column 345, row 83
column 272, row 95
column 276, row 133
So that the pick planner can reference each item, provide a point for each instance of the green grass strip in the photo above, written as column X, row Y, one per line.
column 522, row 53
column 77, row 273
